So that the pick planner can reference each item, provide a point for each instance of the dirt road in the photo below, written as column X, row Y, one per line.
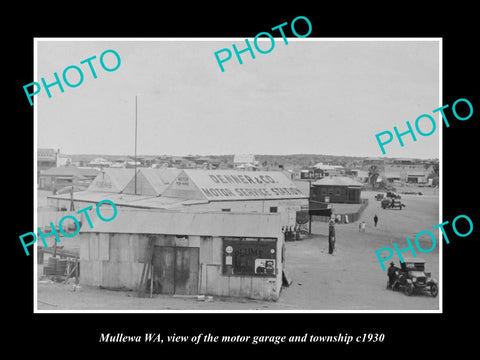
column 351, row 278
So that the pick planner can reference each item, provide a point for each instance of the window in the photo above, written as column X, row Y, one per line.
column 273, row 209
column 226, row 210
column 249, row 256
column 337, row 192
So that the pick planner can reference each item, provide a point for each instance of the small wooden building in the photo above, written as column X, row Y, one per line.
column 336, row 189
column 56, row 178
column 211, row 253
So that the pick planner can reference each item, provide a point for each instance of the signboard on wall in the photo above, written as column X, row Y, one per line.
column 302, row 221
column 249, row 256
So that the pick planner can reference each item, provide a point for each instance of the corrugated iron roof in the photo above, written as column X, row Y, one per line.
column 188, row 223
column 337, row 181
column 112, row 180
column 64, row 171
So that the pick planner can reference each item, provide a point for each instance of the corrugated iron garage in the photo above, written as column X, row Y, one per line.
column 215, row 232
column 212, row 253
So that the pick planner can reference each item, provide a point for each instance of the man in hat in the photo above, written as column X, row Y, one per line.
column 392, row 275
column 331, row 235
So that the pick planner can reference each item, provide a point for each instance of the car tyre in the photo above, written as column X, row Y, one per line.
column 408, row 290
column 434, row 290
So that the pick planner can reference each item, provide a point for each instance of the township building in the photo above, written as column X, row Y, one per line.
column 215, row 253
column 214, row 232
column 336, row 189
column 407, row 170
column 56, row 178
column 193, row 190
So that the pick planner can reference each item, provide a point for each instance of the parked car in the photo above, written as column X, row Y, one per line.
column 391, row 194
column 379, row 197
column 411, row 277
column 389, row 203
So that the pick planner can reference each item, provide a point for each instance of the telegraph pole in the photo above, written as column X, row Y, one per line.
column 135, row 160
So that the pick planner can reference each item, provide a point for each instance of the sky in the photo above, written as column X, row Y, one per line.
column 311, row 96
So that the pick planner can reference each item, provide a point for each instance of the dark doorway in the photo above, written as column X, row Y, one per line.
column 176, row 270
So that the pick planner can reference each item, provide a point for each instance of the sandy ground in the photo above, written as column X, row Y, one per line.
column 350, row 279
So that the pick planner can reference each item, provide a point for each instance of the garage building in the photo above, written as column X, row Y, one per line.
column 212, row 253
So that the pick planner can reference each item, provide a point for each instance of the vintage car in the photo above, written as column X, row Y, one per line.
column 379, row 197
column 412, row 277
column 389, row 203
column 391, row 194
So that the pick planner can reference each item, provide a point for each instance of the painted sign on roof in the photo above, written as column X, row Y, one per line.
column 112, row 180
column 234, row 185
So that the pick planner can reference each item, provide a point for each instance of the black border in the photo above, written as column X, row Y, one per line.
column 455, row 23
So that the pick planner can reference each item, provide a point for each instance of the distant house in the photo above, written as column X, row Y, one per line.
column 373, row 161
column 46, row 159
column 336, row 189
column 245, row 162
column 328, row 170
column 100, row 162
column 120, row 162
column 407, row 170
column 360, row 175
column 63, row 160
column 239, row 159
column 185, row 163
column 202, row 160
column 56, row 178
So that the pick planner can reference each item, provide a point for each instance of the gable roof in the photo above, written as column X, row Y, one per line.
column 112, row 180
column 151, row 181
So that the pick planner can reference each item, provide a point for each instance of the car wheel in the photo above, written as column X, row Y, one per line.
column 434, row 290
column 408, row 290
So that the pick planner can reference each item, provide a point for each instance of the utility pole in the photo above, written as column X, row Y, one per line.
column 135, row 160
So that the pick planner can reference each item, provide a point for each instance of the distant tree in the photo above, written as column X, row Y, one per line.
column 373, row 175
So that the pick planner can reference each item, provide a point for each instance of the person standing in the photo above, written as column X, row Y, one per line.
column 363, row 226
column 375, row 220
column 331, row 235
column 392, row 275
